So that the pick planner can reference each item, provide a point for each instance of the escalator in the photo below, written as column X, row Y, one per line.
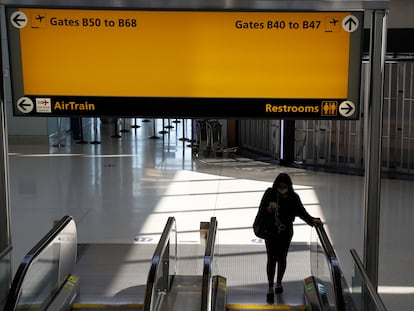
column 45, row 279
column 325, row 289
column 167, row 291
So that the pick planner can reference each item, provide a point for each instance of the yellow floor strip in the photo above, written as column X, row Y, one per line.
column 229, row 306
column 263, row 307
column 134, row 306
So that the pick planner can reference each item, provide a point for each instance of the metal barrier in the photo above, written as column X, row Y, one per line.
column 262, row 136
column 339, row 144
column 212, row 131
column 160, row 276
column 364, row 295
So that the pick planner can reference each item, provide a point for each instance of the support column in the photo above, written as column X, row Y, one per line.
column 373, row 143
column 5, row 231
column 287, row 157
column 5, row 239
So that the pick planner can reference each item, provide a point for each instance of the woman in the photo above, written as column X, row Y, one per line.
column 279, row 207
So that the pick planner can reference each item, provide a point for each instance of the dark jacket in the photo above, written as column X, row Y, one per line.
column 290, row 207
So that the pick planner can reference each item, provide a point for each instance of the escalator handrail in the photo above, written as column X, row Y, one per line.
column 170, row 226
column 207, row 266
column 335, row 269
column 5, row 258
column 373, row 293
column 16, row 286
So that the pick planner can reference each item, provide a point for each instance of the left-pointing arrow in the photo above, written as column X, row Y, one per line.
column 18, row 19
column 25, row 105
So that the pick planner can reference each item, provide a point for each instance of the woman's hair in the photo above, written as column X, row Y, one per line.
column 283, row 178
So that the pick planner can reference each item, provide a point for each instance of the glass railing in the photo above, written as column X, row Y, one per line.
column 326, row 271
column 5, row 275
column 163, row 270
column 163, row 267
column 44, row 269
column 207, row 303
column 363, row 293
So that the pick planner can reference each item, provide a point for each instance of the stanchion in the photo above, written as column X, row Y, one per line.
column 195, row 141
column 183, row 138
column 124, row 129
column 163, row 131
column 176, row 121
column 95, row 132
column 81, row 141
column 153, row 131
column 169, row 126
column 58, row 144
column 135, row 125
column 116, row 134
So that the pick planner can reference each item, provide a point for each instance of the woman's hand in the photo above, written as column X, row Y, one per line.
column 317, row 221
column 272, row 207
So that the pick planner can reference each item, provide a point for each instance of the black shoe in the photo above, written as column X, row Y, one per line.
column 278, row 289
column 270, row 298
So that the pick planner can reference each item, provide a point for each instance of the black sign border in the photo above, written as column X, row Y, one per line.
column 174, row 107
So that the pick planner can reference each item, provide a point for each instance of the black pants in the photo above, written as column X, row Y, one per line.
column 277, row 248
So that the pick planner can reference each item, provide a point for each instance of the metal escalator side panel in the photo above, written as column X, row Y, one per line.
column 206, row 296
column 315, row 296
column 63, row 301
column 5, row 274
column 184, row 294
column 160, row 278
column 45, row 267
column 332, row 281
column 218, row 296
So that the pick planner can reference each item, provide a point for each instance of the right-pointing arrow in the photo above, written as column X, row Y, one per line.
column 347, row 109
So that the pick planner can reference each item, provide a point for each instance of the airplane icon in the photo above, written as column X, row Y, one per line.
column 332, row 24
column 39, row 18
column 334, row 21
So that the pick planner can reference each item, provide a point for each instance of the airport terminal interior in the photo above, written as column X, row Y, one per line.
column 139, row 191
column 121, row 191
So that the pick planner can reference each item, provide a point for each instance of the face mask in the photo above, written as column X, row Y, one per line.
column 282, row 191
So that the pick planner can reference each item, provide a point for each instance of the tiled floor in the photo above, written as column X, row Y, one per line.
column 123, row 190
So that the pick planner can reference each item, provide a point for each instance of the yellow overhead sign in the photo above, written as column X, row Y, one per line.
column 81, row 54
column 185, row 54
